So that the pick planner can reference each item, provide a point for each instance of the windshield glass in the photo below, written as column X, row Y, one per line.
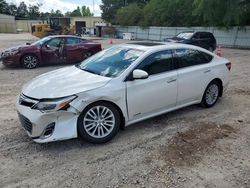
column 111, row 62
column 42, row 41
column 185, row 35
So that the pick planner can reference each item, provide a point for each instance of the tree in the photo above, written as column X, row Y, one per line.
column 56, row 13
column 12, row 9
column 4, row 7
column 222, row 12
column 22, row 10
column 76, row 12
column 86, row 11
column 110, row 7
column 34, row 12
column 129, row 15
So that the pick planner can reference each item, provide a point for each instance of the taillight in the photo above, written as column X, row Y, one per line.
column 229, row 66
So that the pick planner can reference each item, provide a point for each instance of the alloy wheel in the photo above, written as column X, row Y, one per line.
column 212, row 94
column 30, row 61
column 99, row 121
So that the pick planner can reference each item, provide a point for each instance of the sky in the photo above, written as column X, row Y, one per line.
column 62, row 5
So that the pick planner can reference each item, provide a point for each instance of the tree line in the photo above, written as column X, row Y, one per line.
column 221, row 13
column 23, row 11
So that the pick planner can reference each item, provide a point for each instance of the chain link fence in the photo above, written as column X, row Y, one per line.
column 235, row 37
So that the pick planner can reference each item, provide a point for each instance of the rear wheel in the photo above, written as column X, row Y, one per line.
column 211, row 94
column 87, row 55
column 29, row 61
column 211, row 49
column 99, row 123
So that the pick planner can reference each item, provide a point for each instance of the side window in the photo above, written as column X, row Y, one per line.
column 157, row 63
column 189, row 57
column 204, row 35
column 72, row 41
column 55, row 42
column 196, row 36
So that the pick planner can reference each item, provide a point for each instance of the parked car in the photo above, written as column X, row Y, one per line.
column 202, row 39
column 117, row 87
column 50, row 50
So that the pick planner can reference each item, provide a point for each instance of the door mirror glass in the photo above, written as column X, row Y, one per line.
column 139, row 74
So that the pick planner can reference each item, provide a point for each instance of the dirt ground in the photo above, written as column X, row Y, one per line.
column 191, row 147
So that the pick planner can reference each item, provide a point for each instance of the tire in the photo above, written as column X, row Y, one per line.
column 86, row 55
column 211, row 49
column 95, row 128
column 211, row 94
column 29, row 61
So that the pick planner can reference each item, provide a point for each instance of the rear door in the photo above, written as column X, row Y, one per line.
column 74, row 51
column 194, row 74
column 204, row 40
column 156, row 93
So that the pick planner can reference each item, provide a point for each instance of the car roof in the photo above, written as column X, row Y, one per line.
column 63, row 36
column 195, row 32
column 159, row 46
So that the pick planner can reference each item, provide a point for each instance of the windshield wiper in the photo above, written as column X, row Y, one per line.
column 90, row 71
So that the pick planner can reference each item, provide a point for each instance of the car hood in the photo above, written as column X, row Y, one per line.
column 63, row 82
column 20, row 47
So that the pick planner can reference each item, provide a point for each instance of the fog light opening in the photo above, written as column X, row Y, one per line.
column 49, row 130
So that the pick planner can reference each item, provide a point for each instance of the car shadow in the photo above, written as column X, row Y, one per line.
column 152, row 124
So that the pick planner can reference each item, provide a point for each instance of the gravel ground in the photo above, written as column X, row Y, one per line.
column 191, row 147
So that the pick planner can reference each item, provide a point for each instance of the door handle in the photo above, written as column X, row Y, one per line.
column 171, row 80
column 207, row 71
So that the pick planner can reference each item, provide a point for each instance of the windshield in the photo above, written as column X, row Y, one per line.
column 42, row 41
column 111, row 62
column 185, row 35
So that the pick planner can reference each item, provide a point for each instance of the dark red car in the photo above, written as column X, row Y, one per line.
column 62, row 49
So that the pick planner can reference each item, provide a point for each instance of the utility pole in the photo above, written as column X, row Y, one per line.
column 93, row 7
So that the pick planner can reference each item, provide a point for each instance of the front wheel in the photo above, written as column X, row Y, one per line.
column 99, row 123
column 211, row 94
column 29, row 61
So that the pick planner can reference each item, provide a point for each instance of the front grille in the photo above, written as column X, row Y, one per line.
column 25, row 122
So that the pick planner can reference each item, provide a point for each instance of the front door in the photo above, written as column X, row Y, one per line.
column 156, row 93
column 53, row 51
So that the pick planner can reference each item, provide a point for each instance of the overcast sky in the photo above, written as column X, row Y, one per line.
column 63, row 5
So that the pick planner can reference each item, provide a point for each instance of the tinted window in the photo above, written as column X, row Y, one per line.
column 188, row 57
column 204, row 35
column 55, row 42
column 72, row 41
column 157, row 63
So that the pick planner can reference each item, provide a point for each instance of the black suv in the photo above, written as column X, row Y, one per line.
column 203, row 39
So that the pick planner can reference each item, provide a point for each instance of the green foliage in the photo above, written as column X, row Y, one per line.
column 110, row 7
column 129, row 15
column 223, row 13
column 86, row 11
column 34, row 12
column 79, row 12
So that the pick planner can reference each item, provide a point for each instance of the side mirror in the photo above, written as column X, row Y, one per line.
column 140, row 74
column 28, row 43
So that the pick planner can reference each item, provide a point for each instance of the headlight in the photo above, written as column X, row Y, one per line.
column 50, row 105
column 10, row 53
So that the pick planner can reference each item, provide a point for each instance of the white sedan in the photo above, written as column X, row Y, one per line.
column 117, row 87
